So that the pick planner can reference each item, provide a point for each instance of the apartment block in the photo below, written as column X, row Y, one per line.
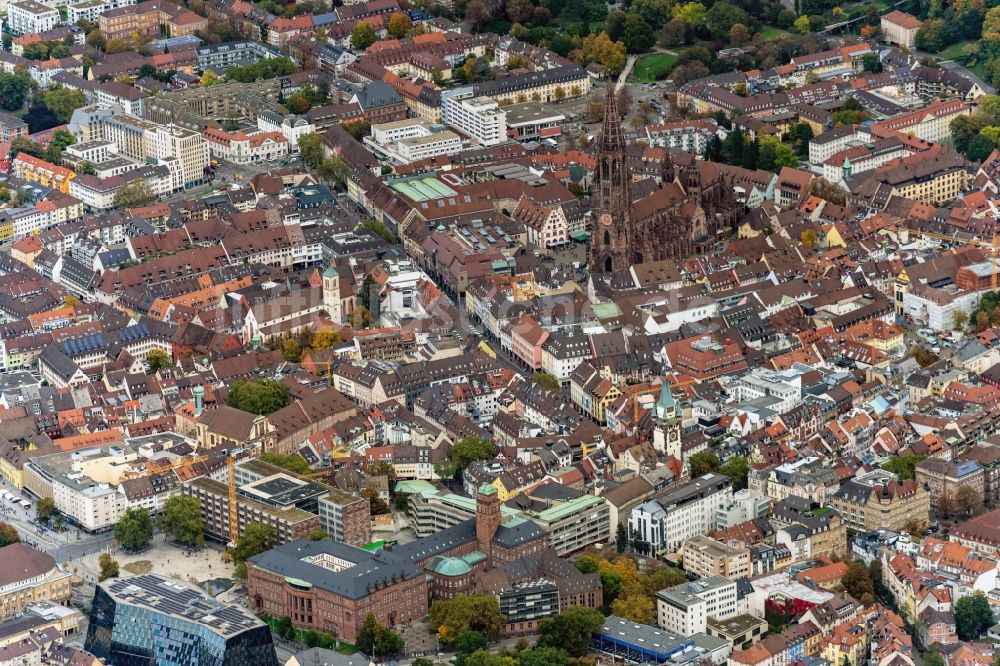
column 290, row 522
column 685, row 609
column 27, row 17
column 704, row 557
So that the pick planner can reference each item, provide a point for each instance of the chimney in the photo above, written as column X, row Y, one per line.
column 199, row 400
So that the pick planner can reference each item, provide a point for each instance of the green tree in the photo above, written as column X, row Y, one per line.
column 872, row 63
column 721, row 17
column 317, row 535
column 14, row 89
column 8, row 535
column 44, row 508
column 377, row 505
column 292, row 351
column 375, row 639
column 262, row 69
column 703, row 462
column 802, row 24
column 379, row 229
column 358, row 128
column 95, row 40
column 181, row 519
column 471, row 448
column 382, row 468
column 362, row 36
column 157, row 359
column 335, row 169
column 135, row 529
column 255, row 539
column 62, row 102
column 543, row 656
column 979, row 148
column 614, row 26
column 469, row 642
column 973, row 616
column 311, row 149
column 109, row 567
column 546, row 381
column 293, row 462
column 774, row 155
column 262, row 396
column 902, row 466
column 858, row 581
column 324, row 339
column 635, row 607
column 485, row 658
column 691, row 13
column 572, row 630
column 399, row 25
column 134, row 193
column 621, row 538
column 736, row 468
column 638, row 36
column 86, row 168
column 452, row 618
column 933, row 659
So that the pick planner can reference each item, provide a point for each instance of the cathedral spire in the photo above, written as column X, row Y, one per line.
column 612, row 136
column 609, row 241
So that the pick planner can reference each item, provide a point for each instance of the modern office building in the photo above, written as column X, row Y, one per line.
column 290, row 522
column 664, row 522
column 156, row 621
column 572, row 519
column 478, row 117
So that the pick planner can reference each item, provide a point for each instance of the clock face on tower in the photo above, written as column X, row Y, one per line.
column 606, row 219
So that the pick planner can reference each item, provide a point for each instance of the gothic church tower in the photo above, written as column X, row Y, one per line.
column 610, row 242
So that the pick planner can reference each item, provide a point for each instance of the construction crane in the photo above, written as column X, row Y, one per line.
column 231, row 455
column 329, row 370
column 993, row 247
column 234, row 523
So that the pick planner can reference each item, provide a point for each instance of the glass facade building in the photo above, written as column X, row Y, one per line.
column 153, row 621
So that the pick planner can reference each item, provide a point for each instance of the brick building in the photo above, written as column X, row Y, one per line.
column 332, row 587
column 155, row 18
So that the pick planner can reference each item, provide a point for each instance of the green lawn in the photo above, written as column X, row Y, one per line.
column 654, row 67
column 769, row 33
column 956, row 50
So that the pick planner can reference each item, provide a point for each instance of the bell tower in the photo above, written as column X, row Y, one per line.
column 610, row 237
column 331, row 294
column 487, row 520
column 667, row 429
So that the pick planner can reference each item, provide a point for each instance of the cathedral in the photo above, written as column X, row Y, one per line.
column 693, row 206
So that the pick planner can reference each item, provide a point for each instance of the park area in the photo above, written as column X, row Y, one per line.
column 654, row 67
